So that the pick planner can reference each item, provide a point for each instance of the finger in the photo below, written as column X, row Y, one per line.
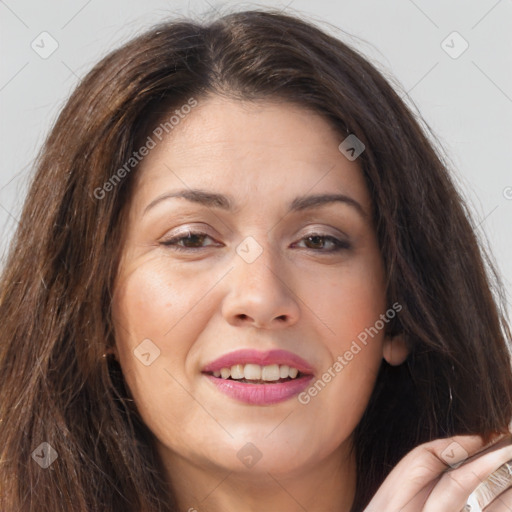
column 455, row 486
column 413, row 476
column 503, row 503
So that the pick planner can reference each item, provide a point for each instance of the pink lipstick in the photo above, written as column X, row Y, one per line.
column 262, row 389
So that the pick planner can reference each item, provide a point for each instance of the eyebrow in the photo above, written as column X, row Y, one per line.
column 215, row 200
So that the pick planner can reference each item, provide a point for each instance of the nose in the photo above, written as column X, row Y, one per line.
column 261, row 293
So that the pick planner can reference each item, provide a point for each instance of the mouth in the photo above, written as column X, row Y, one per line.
column 256, row 374
column 259, row 378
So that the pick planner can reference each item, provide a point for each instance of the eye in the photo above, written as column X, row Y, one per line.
column 318, row 241
column 192, row 241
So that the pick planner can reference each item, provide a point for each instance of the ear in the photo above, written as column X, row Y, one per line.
column 394, row 350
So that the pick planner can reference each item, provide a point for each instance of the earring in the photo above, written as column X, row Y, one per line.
column 108, row 353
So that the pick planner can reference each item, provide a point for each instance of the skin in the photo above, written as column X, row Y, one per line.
column 207, row 301
column 425, row 480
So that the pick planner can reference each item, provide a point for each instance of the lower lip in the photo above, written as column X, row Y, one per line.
column 261, row 394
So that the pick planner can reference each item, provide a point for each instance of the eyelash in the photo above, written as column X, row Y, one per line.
column 339, row 245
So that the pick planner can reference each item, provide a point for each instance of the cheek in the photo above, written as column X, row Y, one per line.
column 340, row 394
column 351, row 305
column 157, row 303
column 350, row 300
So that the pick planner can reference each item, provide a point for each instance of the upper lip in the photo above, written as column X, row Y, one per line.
column 247, row 356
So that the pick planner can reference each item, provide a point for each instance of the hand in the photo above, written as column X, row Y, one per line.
column 440, row 475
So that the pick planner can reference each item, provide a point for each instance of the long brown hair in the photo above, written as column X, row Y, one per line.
column 57, row 284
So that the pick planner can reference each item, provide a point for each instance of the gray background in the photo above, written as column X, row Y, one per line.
column 466, row 99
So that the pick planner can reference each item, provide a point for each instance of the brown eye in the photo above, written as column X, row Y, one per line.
column 318, row 242
column 191, row 241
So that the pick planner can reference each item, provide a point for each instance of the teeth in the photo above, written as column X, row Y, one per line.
column 252, row 372
column 271, row 373
column 237, row 371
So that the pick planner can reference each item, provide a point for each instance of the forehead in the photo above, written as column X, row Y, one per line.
column 262, row 149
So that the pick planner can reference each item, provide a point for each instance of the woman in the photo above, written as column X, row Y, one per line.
column 220, row 207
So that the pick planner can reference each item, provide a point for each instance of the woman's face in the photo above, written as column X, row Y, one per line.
column 274, row 271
